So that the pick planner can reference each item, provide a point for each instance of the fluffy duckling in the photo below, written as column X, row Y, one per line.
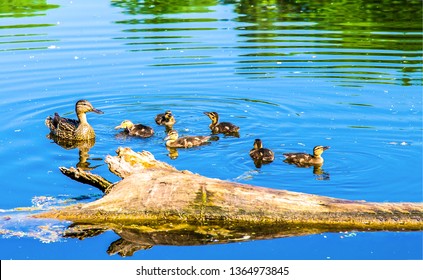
column 165, row 118
column 303, row 159
column 261, row 155
column 184, row 142
column 70, row 129
column 139, row 130
column 223, row 127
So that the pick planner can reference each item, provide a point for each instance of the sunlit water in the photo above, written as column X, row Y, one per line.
column 295, row 74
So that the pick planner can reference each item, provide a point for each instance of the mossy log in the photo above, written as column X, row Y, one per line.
column 153, row 192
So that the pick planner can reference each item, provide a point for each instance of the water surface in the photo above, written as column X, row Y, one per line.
column 294, row 73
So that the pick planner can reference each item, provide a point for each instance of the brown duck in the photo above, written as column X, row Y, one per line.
column 173, row 140
column 165, row 118
column 261, row 155
column 70, row 129
column 223, row 127
column 138, row 130
column 303, row 159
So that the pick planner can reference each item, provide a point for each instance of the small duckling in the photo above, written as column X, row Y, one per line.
column 184, row 142
column 303, row 159
column 165, row 118
column 139, row 130
column 70, row 129
column 223, row 127
column 261, row 155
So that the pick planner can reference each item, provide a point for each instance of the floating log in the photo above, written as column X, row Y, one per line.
column 154, row 192
column 156, row 204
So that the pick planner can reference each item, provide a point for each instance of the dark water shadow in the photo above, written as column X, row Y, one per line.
column 135, row 238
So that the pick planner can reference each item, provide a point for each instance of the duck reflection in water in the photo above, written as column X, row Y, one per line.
column 305, row 160
column 173, row 153
column 83, row 147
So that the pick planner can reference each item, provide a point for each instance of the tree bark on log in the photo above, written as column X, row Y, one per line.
column 152, row 192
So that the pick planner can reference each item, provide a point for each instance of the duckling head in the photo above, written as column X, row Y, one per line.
column 126, row 124
column 258, row 144
column 172, row 135
column 318, row 150
column 84, row 106
column 213, row 116
column 168, row 116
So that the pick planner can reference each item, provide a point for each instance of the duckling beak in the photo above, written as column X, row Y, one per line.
column 97, row 111
column 325, row 148
column 206, row 113
column 118, row 127
column 166, row 138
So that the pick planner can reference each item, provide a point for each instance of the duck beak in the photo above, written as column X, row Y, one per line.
column 97, row 111
column 166, row 138
column 118, row 127
column 325, row 148
column 206, row 113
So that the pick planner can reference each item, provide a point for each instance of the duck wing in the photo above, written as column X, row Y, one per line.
column 191, row 141
column 227, row 127
column 61, row 127
column 160, row 118
column 262, row 154
column 141, row 131
column 298, row 158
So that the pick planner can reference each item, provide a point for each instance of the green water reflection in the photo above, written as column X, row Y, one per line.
column 161, row 7
column 340, row 35
column 274, row 67
column 24, row 8
column 17, row 40
column 350, row 41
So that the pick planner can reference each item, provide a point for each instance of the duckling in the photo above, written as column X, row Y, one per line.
column 70, row 129
column 303, row 159
column 139, row 130
column 184, row 142
column 165, row 118
column 261, row 155
column 223, row 127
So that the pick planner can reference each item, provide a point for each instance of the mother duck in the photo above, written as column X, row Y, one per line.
column 70, row 129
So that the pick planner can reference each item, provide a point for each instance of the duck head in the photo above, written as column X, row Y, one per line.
column 172, row 135
column 84, row 106
column 258, row 144
column 126, row 124
column 318, row 150
column 213, row 116
column 168, row 116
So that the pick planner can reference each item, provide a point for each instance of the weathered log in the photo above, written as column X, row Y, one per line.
column 80, row 175
column 155, row 193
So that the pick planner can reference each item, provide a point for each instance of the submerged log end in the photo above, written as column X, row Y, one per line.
column 84, row 177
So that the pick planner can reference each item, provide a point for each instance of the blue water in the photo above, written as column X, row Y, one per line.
column 295, row 74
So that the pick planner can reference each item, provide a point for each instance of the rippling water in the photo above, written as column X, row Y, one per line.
column 294, row 73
